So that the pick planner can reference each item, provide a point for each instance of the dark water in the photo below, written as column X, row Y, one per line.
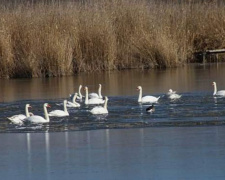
column 197, row 106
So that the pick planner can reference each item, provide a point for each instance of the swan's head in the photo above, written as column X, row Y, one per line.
column 47, row 105
column 139, row 88
column 170, row 90
column 65, row 101
column 214, row 83
column 28, row 106
column 106, row 98
column 100, row 85
column 85, row 88
column 80, row 86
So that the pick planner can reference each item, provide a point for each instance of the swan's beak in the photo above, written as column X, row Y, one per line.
column 48, row 106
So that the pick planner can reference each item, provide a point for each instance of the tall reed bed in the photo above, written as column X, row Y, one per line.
column 64, row 38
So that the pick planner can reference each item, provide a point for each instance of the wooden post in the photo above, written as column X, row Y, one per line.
column 203, row 57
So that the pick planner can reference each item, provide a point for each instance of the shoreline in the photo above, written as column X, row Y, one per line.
column 59, row 39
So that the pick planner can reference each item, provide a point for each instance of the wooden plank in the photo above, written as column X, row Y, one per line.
column 215, row 51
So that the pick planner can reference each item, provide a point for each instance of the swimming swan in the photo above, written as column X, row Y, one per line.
column 39, row 119
column 18, row 119
column 218, row 93
column 92, row 101
column 172, row 95
column 60, row 113
column 95, row 95
column 146, row 99
column 73, row 103
column 100, row 109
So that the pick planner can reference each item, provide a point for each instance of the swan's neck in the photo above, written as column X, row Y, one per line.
column 74, row 98
column 27, row 112
column 79, row 92
column 215, row 89
column 105, row 105
column 86, row 97
column 140, row 95
column 46, row 114
column 65, row 108
column 100, row 92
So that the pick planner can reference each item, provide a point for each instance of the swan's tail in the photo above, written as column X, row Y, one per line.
column 9, row 118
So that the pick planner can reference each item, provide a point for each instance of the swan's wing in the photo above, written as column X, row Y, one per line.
column 96, row 101
column 93, row 95
column 17, row 117
column 35, row 119
column 99, row 110
column 149, row 99
column 58, row 113
column 220, row 93
column 70, row 104
column 175, row 96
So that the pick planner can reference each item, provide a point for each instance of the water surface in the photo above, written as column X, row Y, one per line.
column 146, row 153
column 197, row 106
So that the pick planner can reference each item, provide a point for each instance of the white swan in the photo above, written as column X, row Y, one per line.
column 39, row 119
column 174, row 96
column 100, row 109
column 146, row 99
column 95, row 95
column 18, row 119
column 60, row 113
column 218, row 93
column 92, row 101
column 73, row 103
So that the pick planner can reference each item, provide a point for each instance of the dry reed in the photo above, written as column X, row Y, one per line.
column 64, row 38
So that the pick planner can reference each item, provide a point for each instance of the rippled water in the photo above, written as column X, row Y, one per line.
column 197, row 106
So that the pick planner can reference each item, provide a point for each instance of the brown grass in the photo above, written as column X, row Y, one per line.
column 64, row 38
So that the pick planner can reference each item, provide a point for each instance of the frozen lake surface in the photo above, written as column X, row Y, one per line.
column 140, row 153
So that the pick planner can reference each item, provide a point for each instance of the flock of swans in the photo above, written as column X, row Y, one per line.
column 91, row 99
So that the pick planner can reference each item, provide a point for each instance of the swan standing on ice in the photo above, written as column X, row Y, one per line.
column 100, row 109
column 60, row 113
column 92, row 101
column 39, row 119
column 218, row 93
column 146, row 99
column 18, row 119
column 73, row 103
column 95, row 95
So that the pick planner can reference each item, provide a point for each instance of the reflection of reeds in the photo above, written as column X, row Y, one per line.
column 68, row 37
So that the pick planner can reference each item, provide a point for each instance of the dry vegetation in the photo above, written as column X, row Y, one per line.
column 64, row 38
